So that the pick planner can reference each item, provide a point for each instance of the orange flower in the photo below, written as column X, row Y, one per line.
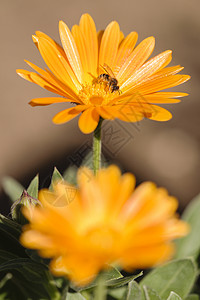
column 75, row 70
column 107, row 222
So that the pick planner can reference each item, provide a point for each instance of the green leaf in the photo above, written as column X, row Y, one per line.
column 178, row 276
column 111, row 273
column 118, row 293
column 4, row 296
column 20, row 263
column 75, row 296
column 70, row 175
column 12, row 188
column 134, row 291
column 192, row 297
column 150, row 294
column 122, row 281
column 174, row 296
column 100, row 290
column 55, row 177
column 190, row 244
column 5, row 279
column 33, row 187
column 9, row 234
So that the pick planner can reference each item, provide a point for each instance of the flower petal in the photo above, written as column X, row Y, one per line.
column 109, row 45
column 71, row 50
column 80, row 43
column 36, row 78
column 159, row 84
column 125, row 49
column 57, row 63
column 149, row 68
column 136, row 59
column 45, row 36
column 88, row 121
column 68, row 114
column 157, row 113
column 89, row 32
column 48, row 101
column 47, row 75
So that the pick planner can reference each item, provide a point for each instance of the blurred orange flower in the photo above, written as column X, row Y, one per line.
column 107, row 222
column 104, row 74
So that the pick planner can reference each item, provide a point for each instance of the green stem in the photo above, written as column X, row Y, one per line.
column 97, row 148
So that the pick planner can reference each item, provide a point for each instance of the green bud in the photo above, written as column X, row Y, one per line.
column 25, row 200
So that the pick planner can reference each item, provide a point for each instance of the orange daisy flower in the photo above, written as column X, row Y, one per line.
column 107, row 222
column 104, row 74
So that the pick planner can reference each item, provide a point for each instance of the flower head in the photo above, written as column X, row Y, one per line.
column 107, row 222
column 104, row 75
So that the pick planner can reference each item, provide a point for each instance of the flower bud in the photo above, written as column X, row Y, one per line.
column 25, row 200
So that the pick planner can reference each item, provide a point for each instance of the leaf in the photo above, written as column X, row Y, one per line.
column 55, row 177
column 100, row 290
column 178, row 276
column 5, row 279
column 70, row 175
column 20, row 263
column 174, row 296
column 122, row 281
column 33, row 187
column 190, row 244
column 118, row 293
column 111, row 273
column 12, row 188
column 75, row 296
column 9, row 234
column 192, row 297
column 134, row 291
column 150, row 294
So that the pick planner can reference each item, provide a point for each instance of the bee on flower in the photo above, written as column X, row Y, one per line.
column 131, row 93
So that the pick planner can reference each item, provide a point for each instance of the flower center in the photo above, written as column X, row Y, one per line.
column 97, row 94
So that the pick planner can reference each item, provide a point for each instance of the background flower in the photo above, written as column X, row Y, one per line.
column 107, row 222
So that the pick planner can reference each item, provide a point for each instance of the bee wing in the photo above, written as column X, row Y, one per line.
column 108, row 70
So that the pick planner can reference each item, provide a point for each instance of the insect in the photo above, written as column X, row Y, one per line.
column 109, row 78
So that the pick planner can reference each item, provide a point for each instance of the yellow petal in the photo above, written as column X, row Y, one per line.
column 48, row 101
column 125, row 49
column 36, row 78
column 159, row 84
column 45, row 36
column 63, row 89
column 88, row 120
column 168, row 71
column 109, row 44
column 153, row 98
column 168, row 95
column 158, row 113
column 107, row 112
column 68, row 114
column 149, row 68
column 57, row 63
column 127, row 113
column 71, row 50
column 136, row 59
column 24, row 74
column 81, row 46
column 88, row 29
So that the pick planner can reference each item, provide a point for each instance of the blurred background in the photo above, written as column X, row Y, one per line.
column 167, row 153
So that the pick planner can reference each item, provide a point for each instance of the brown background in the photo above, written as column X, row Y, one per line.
column 167, row 153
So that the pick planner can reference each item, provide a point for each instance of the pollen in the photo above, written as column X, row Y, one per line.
column 96, row 94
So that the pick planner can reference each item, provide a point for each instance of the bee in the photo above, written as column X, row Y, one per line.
column 109, row 78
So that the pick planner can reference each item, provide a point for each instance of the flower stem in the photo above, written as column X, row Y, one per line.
column 97, row 148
